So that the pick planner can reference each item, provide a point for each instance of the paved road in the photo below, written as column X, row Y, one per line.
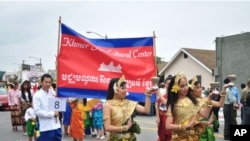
column 147, row 123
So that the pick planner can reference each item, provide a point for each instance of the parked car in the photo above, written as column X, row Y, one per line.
column 4, row 106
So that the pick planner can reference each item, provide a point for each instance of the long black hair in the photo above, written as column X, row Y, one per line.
column 84, row 100
column 23, row 90
column 173, row 97
column 111, row 92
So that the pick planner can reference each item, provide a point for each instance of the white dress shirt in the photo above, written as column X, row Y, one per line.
column 30, row 113
column 47, row 121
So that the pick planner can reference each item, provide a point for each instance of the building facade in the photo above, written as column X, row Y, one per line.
column 233, row 57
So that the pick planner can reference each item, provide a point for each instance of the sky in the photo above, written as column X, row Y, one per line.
column 30, row 28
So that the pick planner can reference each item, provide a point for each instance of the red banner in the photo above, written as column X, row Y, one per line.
column 85, row 66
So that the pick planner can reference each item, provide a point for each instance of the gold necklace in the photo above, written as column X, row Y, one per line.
column 120, row 103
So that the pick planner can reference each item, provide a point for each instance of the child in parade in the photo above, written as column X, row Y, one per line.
column 78, row 115
column 97, row 113
column 30, row 119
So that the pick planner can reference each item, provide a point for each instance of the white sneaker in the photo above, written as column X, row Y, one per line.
column 25, row 134
column 98, row 137
column 102, row 138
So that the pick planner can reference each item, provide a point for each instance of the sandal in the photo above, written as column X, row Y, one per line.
column 14, row 128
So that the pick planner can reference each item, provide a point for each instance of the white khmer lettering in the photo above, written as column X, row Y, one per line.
column 69, row 42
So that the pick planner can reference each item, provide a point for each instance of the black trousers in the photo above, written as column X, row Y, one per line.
column 216, row 114
column 229, row 118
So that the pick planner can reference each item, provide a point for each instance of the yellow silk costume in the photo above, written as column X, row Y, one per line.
column 208, row 133
column 184, row 112
column 121, row 111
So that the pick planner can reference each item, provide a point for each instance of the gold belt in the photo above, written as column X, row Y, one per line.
column 123, row 136
column 187, row 133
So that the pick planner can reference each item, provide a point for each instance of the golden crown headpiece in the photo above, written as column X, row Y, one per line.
column 195, row 79
column 118, row 83
column 120, row 80
column 175, row 87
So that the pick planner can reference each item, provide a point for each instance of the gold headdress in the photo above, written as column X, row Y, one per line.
column 121, row 79
column 175, row 87
column 195, row 79
column 118, row 83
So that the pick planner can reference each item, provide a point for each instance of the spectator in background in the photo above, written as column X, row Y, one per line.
column 207, row 92
column 228, row 110
column 242, row 86
column 66, row 118
column 245, row 99
column 25, row 98
column 13, row 101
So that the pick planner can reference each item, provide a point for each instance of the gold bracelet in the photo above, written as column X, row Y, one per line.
column 148, row 92
column 223, row 94
column 148, row 95
column 181, row 127
column 124, row 128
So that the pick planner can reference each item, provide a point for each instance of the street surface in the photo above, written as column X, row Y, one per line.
column 147, row 123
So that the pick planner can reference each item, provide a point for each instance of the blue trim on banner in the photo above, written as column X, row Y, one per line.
column 100, row 94
column 114, row 42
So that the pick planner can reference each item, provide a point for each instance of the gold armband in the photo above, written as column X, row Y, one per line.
column 209, row 103
column 209, row 106
column 106, row 117
column 223, row 94
column 168, row 114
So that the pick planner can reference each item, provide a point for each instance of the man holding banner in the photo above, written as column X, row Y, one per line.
column 50, row 127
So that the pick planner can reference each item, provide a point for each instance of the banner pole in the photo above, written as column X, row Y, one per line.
column 58, row 48
column 155, row 57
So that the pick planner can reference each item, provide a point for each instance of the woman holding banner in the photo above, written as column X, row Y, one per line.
column 118, row 111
